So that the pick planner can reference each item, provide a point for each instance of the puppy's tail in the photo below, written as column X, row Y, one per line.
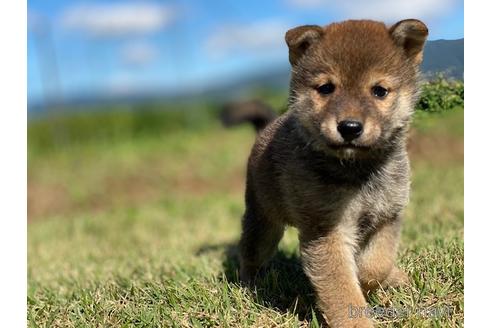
column 253, row 111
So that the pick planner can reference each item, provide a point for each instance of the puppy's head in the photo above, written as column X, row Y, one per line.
column 354, row 84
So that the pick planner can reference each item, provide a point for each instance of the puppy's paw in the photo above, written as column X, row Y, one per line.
column 356, row 323
column 364, row 324
column 247, row 274
column 397, row 278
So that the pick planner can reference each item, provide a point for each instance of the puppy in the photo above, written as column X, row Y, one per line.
column 335, row 164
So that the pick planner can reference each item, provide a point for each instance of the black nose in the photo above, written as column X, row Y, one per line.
column 350, row 129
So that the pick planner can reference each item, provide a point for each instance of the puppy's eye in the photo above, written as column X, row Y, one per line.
column 326, row 89
column 379, row 92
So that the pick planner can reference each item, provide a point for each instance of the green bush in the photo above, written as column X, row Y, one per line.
column 441, row 95
column 114, row 124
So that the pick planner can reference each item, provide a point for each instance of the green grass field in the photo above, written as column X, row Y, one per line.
column 142, row 232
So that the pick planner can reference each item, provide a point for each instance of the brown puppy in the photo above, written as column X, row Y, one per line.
column 335, row 164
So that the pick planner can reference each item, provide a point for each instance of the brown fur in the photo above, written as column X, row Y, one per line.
column 346, row 199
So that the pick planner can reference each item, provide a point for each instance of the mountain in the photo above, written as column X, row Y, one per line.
column 444, row 56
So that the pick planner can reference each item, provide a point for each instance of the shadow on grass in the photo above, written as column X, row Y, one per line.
column 280, row 285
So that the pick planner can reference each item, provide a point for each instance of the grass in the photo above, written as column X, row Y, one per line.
column 142, row 232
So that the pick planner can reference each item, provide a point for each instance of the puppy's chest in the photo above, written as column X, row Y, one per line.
column 327, row 203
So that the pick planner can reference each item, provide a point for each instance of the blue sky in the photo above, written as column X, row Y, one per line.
column 121, row 47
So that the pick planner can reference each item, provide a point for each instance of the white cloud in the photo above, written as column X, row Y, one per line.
column 385, row 10
column 139, row 53
column 259, row 36
column 121, row 83
column 117, row 19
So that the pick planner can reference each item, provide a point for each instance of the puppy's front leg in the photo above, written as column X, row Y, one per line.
column 330, row 264
column 376, row 261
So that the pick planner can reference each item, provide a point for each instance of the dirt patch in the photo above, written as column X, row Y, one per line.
column 436, row 149
column 45, row 200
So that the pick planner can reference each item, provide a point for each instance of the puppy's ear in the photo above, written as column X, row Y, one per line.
column 300, row 38
column 410, row 34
